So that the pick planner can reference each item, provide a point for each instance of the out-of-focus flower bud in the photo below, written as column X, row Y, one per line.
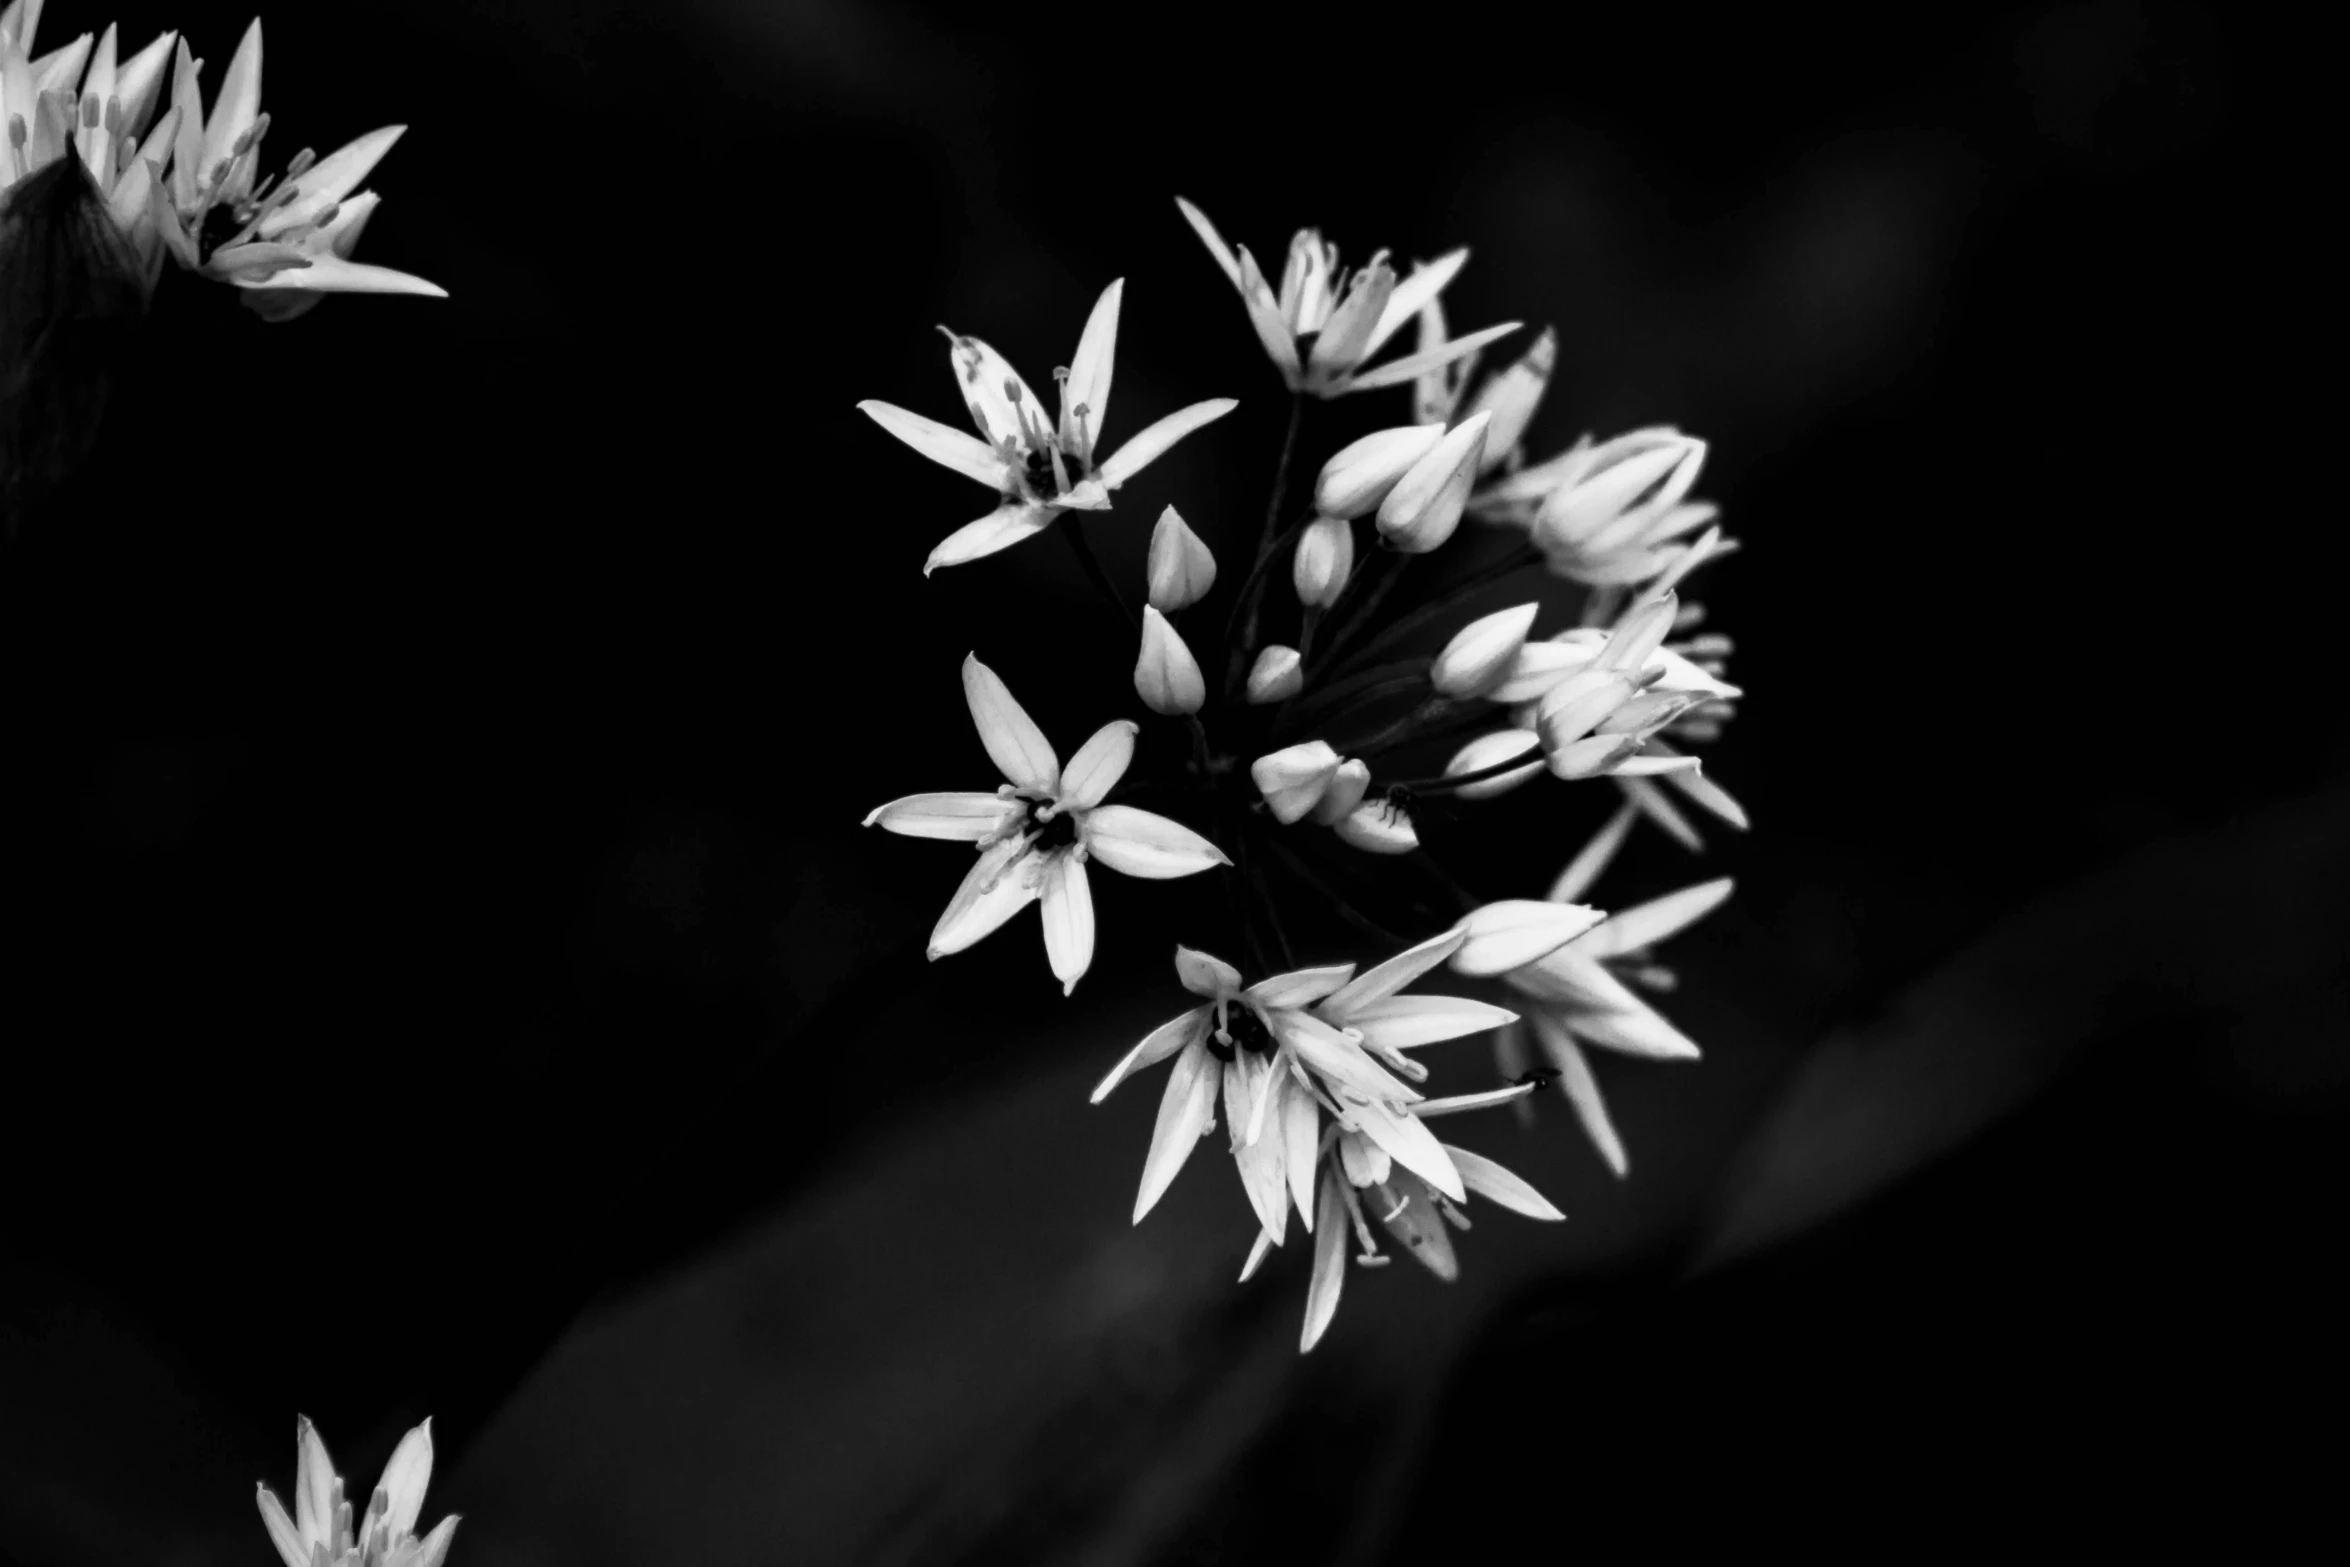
column 1362, row 473
column 1420, row 513
column 1647, row 470
column 1346, row 790
column 1512, row 396
column 1166, row 676
column 1181, row 569
column 1325, row 558
column 1491, row 751
column 1573, row 708
column 1277, row 675
column 1482, row 652
column 1380, row 827
column 1292, row 779
column 1516, row 931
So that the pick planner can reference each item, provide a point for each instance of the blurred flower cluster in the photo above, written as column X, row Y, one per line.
column 1324, row 743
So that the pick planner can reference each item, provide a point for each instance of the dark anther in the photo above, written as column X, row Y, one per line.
column 1060, row 832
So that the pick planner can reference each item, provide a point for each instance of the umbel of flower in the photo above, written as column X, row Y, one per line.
column 1285, row 1050
column 1039, row 467
column 1325, row 323
column 95, row 105
column 1036, row 833
column 286, row 240
column 321, row 1531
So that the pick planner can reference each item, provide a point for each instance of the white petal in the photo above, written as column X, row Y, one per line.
column 239, row 104
column 1411, row 1145
column 330, row 179
column 1007, row 525
column 963, row 817
column 1397, row 371
column 1205, row 975
column 1258, row 1250
column 1378, row 828
column 1540, row 666
column 1515, row 931
column 1495, row 1184
column 1068, row 919
column 1582, row 1090
column 1166, row 677
column 1300, row 987
column 1338, row 1059
column 1645, row 924
column 1088, row 386
column 1405, row 1022
column 435, row 1548
column 405, row 1477
column 1514, row 394
column 1293, row 778
column 1329, row 1265
column 1652, row 802
column 1018, row 747
column 1423, row 285
column 331, row 274
column 960, row 450
column 1712, row 796
column 139, row 80
column 1594, row 857
column 1003, row 409
column 59, row 69
column 1636, row 1030
column 1391, row 976
column 314, row 1480
column 1210, row 238
column 1266, row 318
column 282, row 1532
column 1139, row 843
column 1461, row 1104
column 1145, row 448
column 1154, row 1047
column 1301, row 1125
column 1184, row 1109
column 1098, row 765
column 996, row 888
column 1480, row 653
column 1415, row 1222
column 1491, row 751
column 1250, row 1087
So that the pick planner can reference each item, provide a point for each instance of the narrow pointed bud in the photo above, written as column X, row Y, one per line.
column 1347, row 787
column 1482, row 652
column 1359, row 477
column 1166, row 676
column 1379, row 827
column 1292, row 779
column 1513, row 396
column 1491, row 751
column 1645, row 470
column 1181, row 569
column 1420, row 513
column 1277, row 675
column 1325, row 559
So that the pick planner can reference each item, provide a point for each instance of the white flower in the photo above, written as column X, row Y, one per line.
column 321, row 1532
column 95, row 105
column 1324, row 323
column 1039, row 468
column 287, row 240
column 1035, row 833
column 1283, row 1051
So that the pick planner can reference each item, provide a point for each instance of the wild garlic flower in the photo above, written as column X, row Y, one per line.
column 321, row 1531
column 285, row 240
column 1325, row 323
column 95, row 105
column 1284, row 1051
column 1036, row 832
column 1041, row 468
column 1611, row 514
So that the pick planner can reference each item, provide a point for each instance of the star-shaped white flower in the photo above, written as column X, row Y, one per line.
column 95, row 104
column 1283, row 1051
column 1324, row 323
column 322, row 1533
column 1040, row 468
column 286, row 240
column 1036, row 832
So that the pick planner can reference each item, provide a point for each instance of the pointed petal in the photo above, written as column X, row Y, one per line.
column 1594, row 857
column 1645, row 924
column 60, row 68
column 1258, row 1250
column 330, row 179
column 331, row 274
column 1098, row 765
column 1652, row 802
column 1582, row 1090
column 187, row 96
column 405, row 1477
column 1397, row 371
column 1144, row 449
column 1012, row 739
column 1391, row 976
column 1300, row 987
column 434, row 1549
column 1154, row 1047
column 139, row 82
column 1000, row 529
column 995, row 889
column 1495, row 1184
column 1414, row 1221
column 1493, row 750
column 1423, row 285
column 1184, row 1109
column 1139, row 843
column 1205, row 975
column 1461, row 1104
column 1329, row 1265
column 1068, row 919
column 314, row 1483
column 1301, row 1127
column 1403, row 1139
column 964, row 818
column 282, row 1532
column 1513, row 396
column 1338, row 1059
column 1252, row 1090
column 1003, row 409
column 238, row 106
column 1210, row 238
column 1088, row 386
column 1515, row 931
column 1345, row 336
column 1712, row 796
column 967, row 454
column 1636, row 1030
column 1404, row 1022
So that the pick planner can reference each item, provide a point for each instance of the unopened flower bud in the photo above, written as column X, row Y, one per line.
column 1346, row 790
column 1292, row 779
column 1181, row 569
column 1491, row 751
column 1482, row 652
column 1425, row 506
column 1277, row 675
column 1516, row 931
column 1512, row 396
column 1325, row 558
column 1362, row 473
column 1380, row 827
column 1648, row 469
column 1166, row 676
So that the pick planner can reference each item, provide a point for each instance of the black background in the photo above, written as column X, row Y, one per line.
column 435, row 731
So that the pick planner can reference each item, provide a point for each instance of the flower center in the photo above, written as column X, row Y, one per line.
column 1242, row 1030
column 1055, row 832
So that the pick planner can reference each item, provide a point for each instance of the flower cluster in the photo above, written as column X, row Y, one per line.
column 1334, row 743
column 131, row 131
column 321, row 1532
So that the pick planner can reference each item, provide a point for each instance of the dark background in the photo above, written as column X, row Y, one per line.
column 435, row 734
